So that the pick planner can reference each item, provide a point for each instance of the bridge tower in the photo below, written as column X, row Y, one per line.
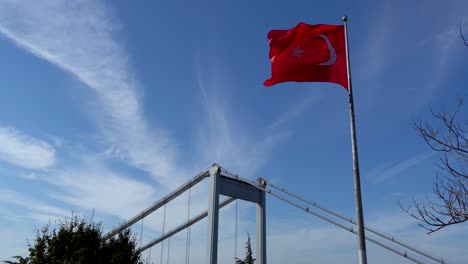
column 221, row 185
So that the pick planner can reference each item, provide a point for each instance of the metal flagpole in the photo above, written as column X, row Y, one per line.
column 357, row 180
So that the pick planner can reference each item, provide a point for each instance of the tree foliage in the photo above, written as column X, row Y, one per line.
column 79, row 241
column 450, row 139
column 248, row 254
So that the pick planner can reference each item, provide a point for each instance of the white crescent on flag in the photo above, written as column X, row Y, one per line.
column 332, row 58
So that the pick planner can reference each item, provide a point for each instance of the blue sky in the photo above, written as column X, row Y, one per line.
column 109, row 105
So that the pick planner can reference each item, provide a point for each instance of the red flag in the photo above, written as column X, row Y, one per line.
column 308, row 53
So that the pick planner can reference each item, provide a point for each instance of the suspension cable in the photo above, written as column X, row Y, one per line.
column 141, row 232
column 163, row 231
column 350, row 220
column 195, row 180
column 183, row 226
column 187, row 243
column 149, row 256
column 348, row 228
column 235, row 233
column 168, row 249
column 351, row 229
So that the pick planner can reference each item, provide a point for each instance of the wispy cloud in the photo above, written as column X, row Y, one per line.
column 87, row 184
column 390, row 170
column 36, row 209
column 81, row 38
column 25, row 151
column 296, row 110
column 13, row 242
column 445, row 43
column 381, row 31
column 95, row 187
column 228, row 141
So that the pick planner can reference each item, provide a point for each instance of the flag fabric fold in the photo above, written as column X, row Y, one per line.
column 308, row 53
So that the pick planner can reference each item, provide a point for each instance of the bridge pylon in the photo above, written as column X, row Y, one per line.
column 222, row 185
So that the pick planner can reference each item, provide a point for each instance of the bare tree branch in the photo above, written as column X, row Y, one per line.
column 450, row 203
column 461, row 34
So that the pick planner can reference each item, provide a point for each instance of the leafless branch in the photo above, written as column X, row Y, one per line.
column 461, row 34
column 450, row 203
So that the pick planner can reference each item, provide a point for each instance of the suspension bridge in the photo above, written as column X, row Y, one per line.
column 223, row 182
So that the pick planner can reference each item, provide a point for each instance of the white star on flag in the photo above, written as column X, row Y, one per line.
column 297, row 51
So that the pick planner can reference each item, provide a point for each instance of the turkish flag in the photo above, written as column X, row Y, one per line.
column 308, row 53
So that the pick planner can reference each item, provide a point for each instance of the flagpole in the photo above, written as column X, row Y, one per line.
column 357, row 178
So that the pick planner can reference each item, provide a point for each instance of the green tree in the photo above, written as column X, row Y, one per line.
column 79, row 241
column 248, row 254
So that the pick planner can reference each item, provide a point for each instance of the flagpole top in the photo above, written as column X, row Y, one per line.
column 345, row 18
